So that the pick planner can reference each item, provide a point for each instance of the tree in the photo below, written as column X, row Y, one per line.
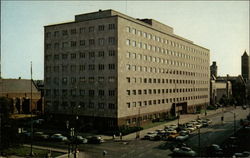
column 8, row 132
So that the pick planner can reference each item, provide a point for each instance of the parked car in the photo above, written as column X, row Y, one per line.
column 182, row 137
column 184, row 151
column 79, row 140
column 173, row 136
column 172, row 126
column 243, row 154
column 41, row 136
column 214, row 150
column 244, row 107
column 59, row 137
column 95, row 139
column 170, row 131
column 149, row 134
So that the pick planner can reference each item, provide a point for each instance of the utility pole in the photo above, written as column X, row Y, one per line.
column 199, row 141
column 234, row 124
column 31, row 126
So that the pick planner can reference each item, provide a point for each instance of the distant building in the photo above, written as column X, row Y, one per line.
column 245, row 66
column 19, row 90
column 113, row 70
column 213, row 69
column 239, row 92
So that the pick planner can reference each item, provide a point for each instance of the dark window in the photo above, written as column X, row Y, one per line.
column 101, row 27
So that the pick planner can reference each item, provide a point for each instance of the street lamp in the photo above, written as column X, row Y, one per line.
column 234, row 121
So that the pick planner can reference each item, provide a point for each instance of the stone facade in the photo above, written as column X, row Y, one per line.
column 108, row 65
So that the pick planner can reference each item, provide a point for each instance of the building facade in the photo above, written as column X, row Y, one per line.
column 19, row 91
column 112, row 70
column 245, row 66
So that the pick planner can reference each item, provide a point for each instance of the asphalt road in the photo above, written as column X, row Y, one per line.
column 214, row 134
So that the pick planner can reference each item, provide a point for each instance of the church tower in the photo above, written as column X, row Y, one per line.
column 245, row 66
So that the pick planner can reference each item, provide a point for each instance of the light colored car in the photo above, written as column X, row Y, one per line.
column 170, row 131
column 184, row 151
column 58, row 137
column 184, row 132
column 182, row 137
column 147, row 136
column 243, row 154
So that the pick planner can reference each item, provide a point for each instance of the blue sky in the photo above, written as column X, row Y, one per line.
column 222, row 27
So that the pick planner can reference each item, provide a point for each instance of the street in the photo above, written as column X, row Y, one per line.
column 213, row 134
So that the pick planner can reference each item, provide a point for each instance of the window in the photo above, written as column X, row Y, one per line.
column 48, row 46
column 91, row 93
column 101, row 27
column 73, row 68
column 73, row 56
column 82, row 92
column 91, row 67
column 91, row 41
column 73, row 44
column 101, row 41
column 101, row 105
column 100, row 79
column 91, row 79
column 128, row 67
column 82, row 55
column 64, row 92
column 82, row 67
column 101, row 93
column 64, row 80
column 56, row 45
column 91, row 29
column 91, row 54
column 111, row 40
column 64, row 56
column 128, row 105
column 111, row 52
column 82, row 29
column 128, row 29
column 128, row 42
column 73, row 80
column 111, row 106
column 56, row 33
column 56, row 57
column 82, row 42
column 82, row 79
column 101, row 54
column 64, row 44
column 111, row 79
column 128, row 92
column 64, row 32
column 111, row 26
column 101, row 66
column 73, row 31
column 134, row 43
column 111, row 66
column 111, row 92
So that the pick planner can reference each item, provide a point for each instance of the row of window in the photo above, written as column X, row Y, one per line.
column 157, row 70
column 163, row 91
column 83, row 105
column 81, row 30
column 82, row 67
column 73, row 80
column 163, row 101
column 163, row 41
column 91, row 42
column 81, row 92
column 158, row 80
column 165, row 61
column 81, row 55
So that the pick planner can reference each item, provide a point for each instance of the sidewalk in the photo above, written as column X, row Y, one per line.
column 183, row 119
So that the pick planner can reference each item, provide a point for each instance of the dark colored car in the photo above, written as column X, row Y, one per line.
column 214, row 150
column 95, row 140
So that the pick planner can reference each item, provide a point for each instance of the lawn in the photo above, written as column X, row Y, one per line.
column 25, row 151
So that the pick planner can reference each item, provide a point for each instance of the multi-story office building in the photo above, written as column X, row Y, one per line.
column 113, row 70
